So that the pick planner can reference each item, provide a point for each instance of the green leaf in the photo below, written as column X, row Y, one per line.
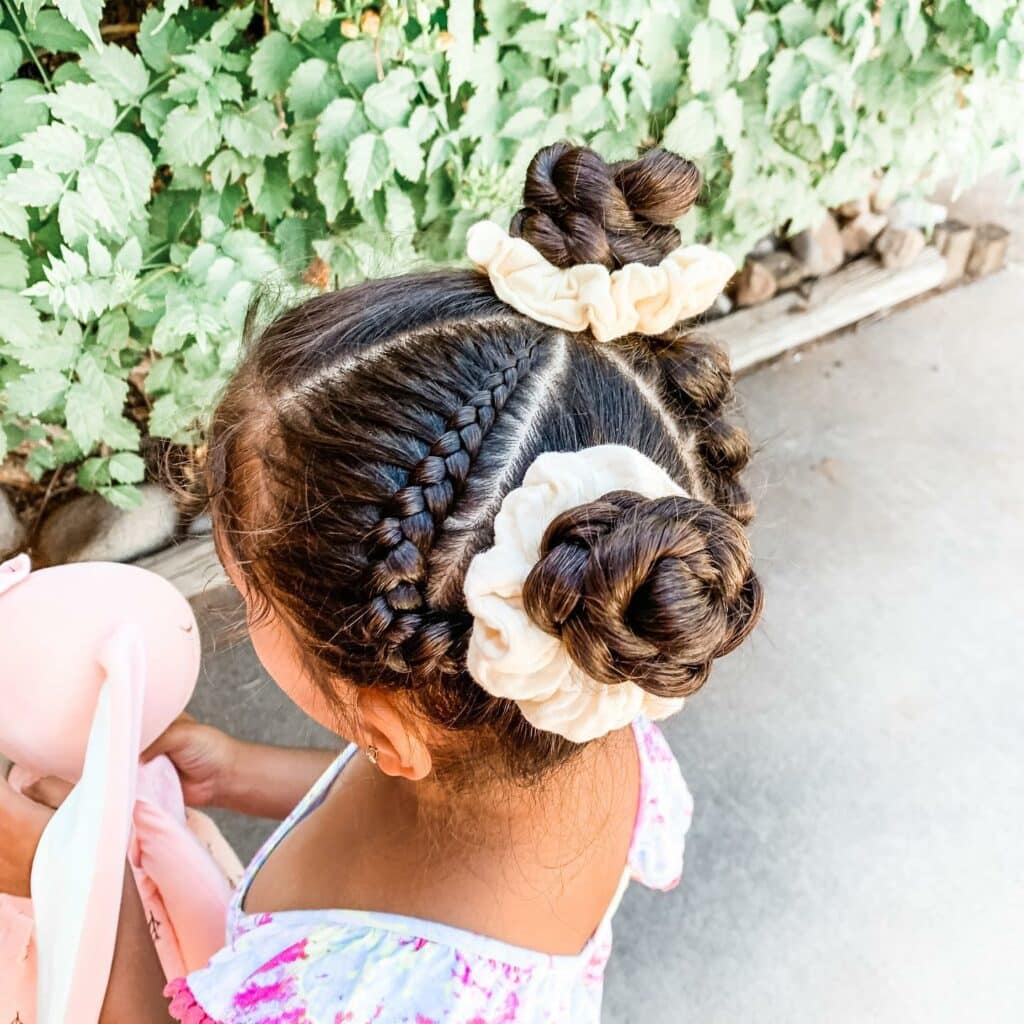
column 87, row 107
column 314, row 83
column 587, row 110
column 990, row 11
column 461, row 19
column 709, row 54
column 367, row 166
column 19, row 322
column 357, row 63
column 256, row 131
column 127, row 468
column 387, row 103
column 158, row 42
column 272, row 64
column 13, row 219
column 119, row 71
column 126, row 158
column 339, row 124
column 190, row 136
column 11, row 56
column 405, row 152
column 113, row 333
column 724, row 12
column 84, row 15
column 13, row 266
column 75, row 217
column 53, row 33
column 787, row 77
column 33, row 393
column 729, row 117
column 294, row 13
column 53, row 147
column 692, row 130
column 18, row 115
column 755, row 40
column 797, row 23
column 400, row 218
column 84, row 416
column 331, row 189
column 123, row 497
column 31, row 186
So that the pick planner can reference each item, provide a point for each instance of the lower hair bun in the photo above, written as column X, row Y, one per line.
column 649, row 591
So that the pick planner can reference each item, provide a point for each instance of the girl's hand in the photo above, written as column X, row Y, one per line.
column 204, row 757
column 22, row 821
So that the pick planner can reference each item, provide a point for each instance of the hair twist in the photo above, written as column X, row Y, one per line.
column 645, row 591
column 579, row 209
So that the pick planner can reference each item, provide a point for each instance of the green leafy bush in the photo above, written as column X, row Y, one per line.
column 146, row 190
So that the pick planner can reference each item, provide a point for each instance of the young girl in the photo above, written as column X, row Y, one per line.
column 486, row 523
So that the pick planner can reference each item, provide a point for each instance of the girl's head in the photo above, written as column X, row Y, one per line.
column 365, row 444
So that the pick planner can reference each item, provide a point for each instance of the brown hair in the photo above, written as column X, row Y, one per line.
column 362, row 449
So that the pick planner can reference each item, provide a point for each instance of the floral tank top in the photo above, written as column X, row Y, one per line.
column 358, row 967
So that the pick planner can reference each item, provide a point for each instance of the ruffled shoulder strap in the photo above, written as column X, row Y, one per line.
column 663, row 814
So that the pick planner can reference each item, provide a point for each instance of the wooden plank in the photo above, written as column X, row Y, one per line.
column 192, row 566
column 860, row 289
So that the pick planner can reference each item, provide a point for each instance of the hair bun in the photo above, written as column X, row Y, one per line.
column 645, row 591
column 579, row 209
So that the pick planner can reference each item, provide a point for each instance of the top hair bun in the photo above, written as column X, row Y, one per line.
column 579, row 209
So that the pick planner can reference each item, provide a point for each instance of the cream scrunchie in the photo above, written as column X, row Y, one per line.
column 634, row 300
column 510, row 656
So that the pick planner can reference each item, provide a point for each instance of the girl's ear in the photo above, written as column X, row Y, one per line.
column 401, row 752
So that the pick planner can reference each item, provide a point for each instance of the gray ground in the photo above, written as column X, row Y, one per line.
column 857, row 853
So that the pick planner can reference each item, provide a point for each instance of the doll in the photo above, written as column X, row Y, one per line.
column 97, row 661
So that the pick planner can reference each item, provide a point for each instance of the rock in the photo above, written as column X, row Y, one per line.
column 881, row 202
column 859, row 233
column 954, row 240
column 988, row 253
column 89, row 528
column 722, row 306
column 916, row 213
column 787, row 270
column 201, row 526
column 12, row 533
column 899, row 247
column 853, row 208
column 754, row 284
column 820, row 249
column 765, row 245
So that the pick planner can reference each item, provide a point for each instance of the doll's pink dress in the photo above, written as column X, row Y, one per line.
column 357, row 967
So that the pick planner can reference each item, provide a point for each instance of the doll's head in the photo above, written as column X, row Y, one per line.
column 360, row 454
column 54, row 625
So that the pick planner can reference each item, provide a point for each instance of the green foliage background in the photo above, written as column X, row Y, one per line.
column 147, row 189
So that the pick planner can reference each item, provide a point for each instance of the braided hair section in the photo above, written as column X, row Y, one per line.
column 398, row 615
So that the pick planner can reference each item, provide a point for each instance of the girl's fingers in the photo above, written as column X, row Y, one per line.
column 167, row 740
column 50, row 791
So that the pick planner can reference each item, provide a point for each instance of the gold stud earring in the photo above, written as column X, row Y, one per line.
column 371, row 754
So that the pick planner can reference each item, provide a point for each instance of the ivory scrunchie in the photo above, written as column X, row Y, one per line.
column 509, row 655
column 636, row 299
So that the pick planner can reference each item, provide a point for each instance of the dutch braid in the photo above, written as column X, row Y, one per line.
column 397, row 616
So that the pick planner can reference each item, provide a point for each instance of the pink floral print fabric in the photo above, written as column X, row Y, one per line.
column 355, row 967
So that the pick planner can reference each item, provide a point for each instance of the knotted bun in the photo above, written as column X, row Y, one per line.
column 579, row 209
column 649, row 591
